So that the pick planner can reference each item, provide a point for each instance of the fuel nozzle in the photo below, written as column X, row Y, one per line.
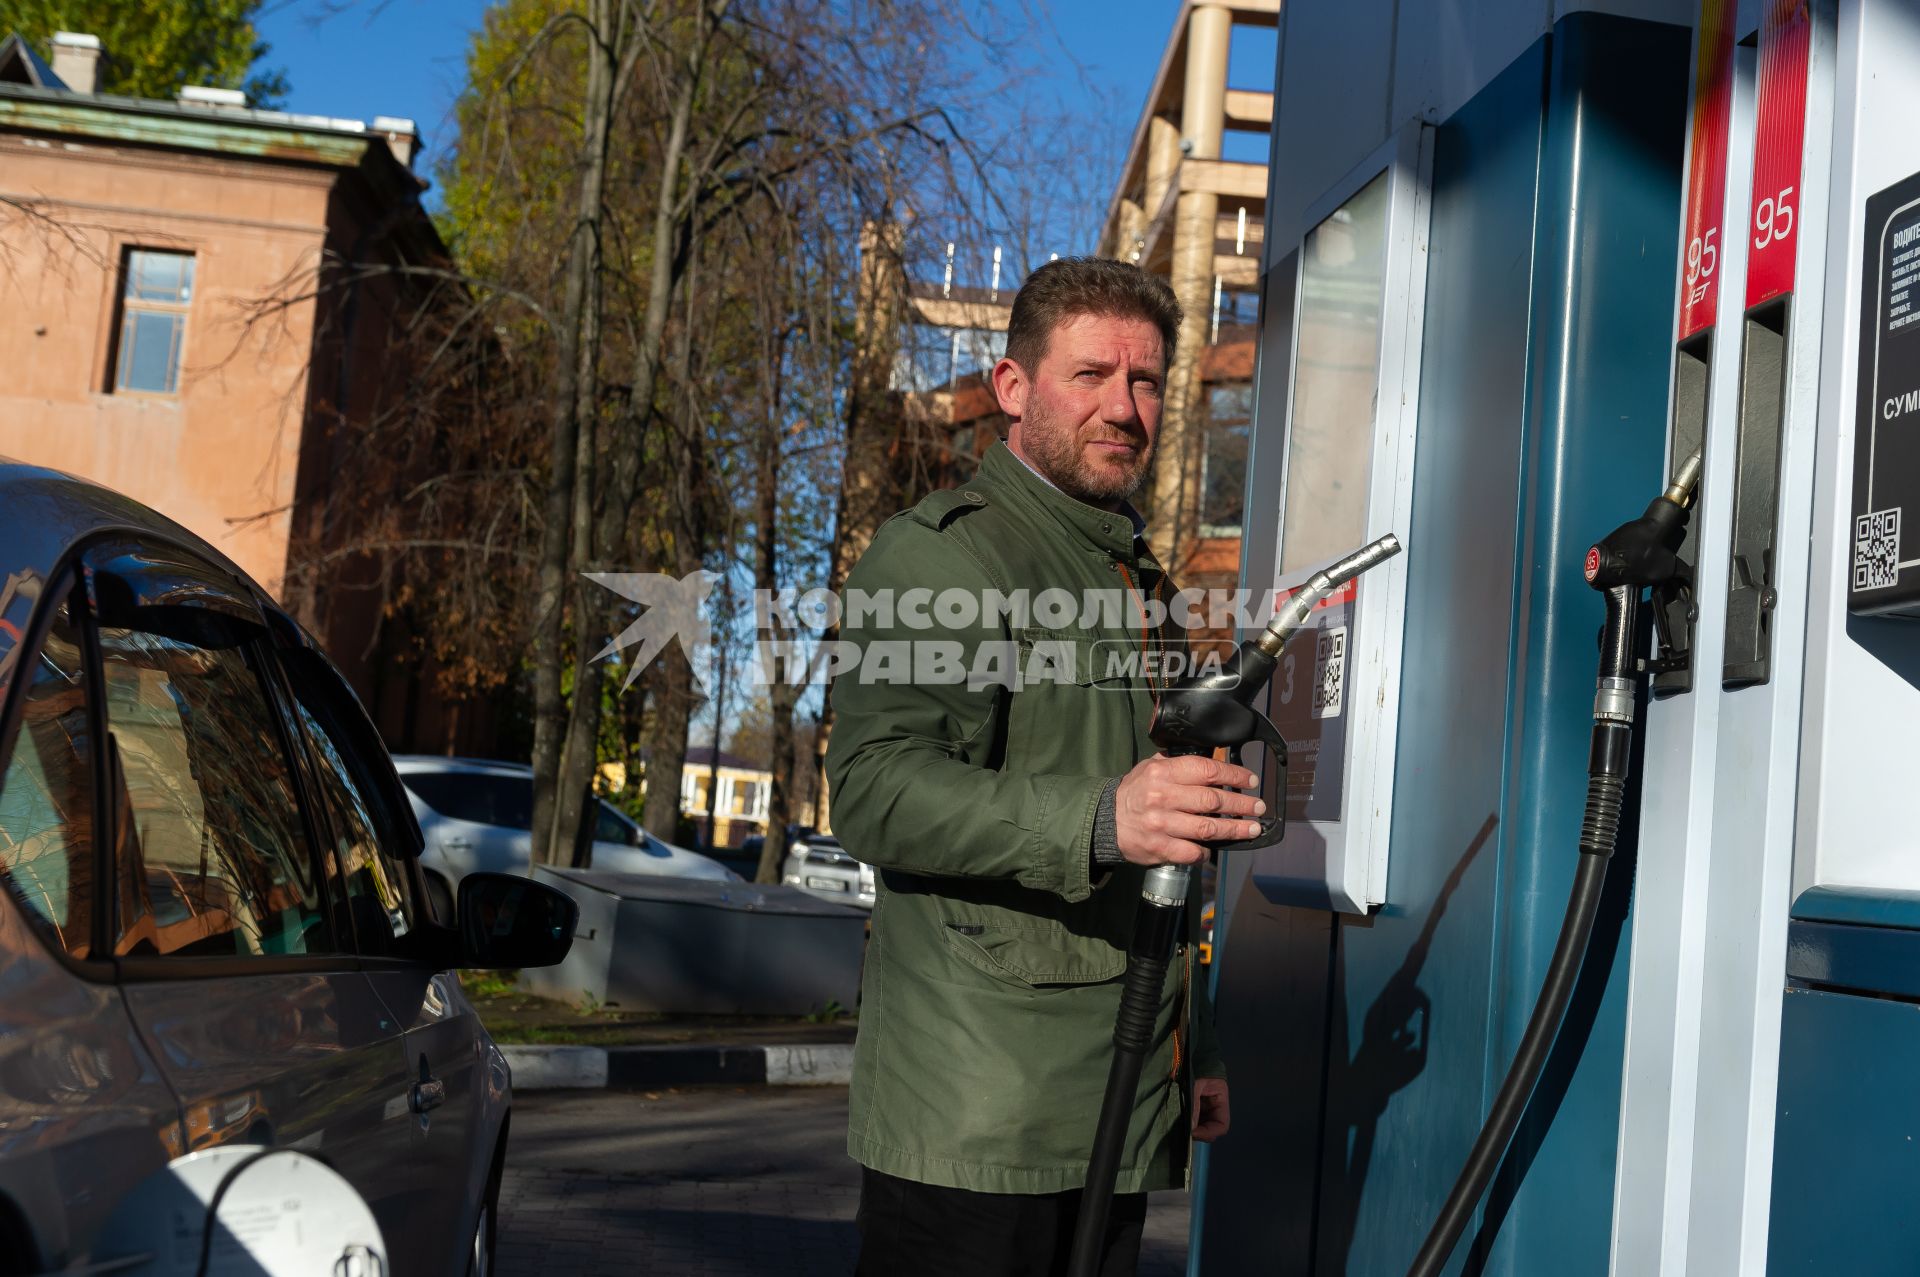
column 1686, row 480
column 1300, row 604
column 1208, row 711
column 1645, row 552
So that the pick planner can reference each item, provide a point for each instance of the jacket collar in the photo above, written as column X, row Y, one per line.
column 1107, row 530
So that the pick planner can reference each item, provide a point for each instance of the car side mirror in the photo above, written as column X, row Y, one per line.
column 509, row 921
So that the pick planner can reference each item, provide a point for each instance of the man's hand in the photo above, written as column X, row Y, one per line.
column 1165, row 808
column 1211, row 1117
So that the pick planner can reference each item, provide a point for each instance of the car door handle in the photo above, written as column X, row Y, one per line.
column 428, row 1094
column 457, row 844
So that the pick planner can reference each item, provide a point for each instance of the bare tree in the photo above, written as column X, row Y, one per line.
column 682, row 232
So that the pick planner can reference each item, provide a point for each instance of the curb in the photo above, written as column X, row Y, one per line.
column 633, row 1068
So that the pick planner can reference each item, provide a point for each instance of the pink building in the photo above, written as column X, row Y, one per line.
column 169, row 333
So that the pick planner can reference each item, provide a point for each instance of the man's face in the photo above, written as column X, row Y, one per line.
column 1087, row 417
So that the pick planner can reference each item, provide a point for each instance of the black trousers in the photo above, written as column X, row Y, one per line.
column 921, row 1230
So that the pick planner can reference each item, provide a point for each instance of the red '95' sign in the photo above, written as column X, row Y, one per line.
column 1779, row 131
column 1707, row 166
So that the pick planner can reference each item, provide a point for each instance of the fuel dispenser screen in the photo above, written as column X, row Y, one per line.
column 1886, row 457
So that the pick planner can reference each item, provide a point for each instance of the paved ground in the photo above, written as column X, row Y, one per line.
column 714, row 1182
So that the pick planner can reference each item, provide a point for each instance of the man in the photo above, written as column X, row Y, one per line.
column 1012, row 824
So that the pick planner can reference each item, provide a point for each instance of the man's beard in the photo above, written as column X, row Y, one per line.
column 1055, row 451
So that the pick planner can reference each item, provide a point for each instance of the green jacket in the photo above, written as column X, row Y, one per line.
column 993, row 972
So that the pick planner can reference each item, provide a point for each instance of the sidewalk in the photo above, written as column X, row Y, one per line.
column 558, row 1046
column 518, row 1019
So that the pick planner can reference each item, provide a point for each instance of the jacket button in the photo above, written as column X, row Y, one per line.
column 1106, row 527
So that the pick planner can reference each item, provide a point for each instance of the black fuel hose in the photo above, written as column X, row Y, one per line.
column 1508, row 1105
column 1154, row 929
column 1599, row 830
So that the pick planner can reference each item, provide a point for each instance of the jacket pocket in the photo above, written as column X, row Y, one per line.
column 1074, row 658
column 1037, row 956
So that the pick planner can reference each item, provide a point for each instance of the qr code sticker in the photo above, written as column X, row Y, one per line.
column 1876, row 550
column 1329, row 672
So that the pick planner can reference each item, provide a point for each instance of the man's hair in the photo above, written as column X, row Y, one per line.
column 1069, row 287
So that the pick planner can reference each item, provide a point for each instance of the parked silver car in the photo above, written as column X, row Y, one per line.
column 478, row 815
column 818, row 864
column 213, row 926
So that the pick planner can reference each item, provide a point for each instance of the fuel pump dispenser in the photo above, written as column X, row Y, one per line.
column 1205, row 712
column 1214, row 711
column 1679, row 248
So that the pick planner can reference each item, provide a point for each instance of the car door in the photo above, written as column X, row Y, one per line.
column 458, row 1094
column 84, row 1114
column 483, row 820
column 235, row 962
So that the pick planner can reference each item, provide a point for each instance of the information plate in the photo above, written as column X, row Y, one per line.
column 1307, row 702
column 1885, row 576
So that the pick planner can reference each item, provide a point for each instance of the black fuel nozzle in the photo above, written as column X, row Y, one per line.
column 1640, row 554
column 1212, row 710
column 1644, row 553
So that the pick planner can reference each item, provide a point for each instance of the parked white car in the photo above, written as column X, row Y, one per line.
column 478, row 816
column 820, row 866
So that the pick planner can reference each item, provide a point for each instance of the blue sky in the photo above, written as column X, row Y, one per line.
column 361, row 58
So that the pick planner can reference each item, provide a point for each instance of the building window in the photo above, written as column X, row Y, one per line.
column 155, row 290
column 935, row 358
column 1224, row 478
column 746, row 798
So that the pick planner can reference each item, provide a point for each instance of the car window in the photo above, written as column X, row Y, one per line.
column 46, row 797
column 215, row 860
column 610, row 827
column 375, row 883
column 483, row 799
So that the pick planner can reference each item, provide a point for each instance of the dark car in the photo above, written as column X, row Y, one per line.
column 213, row 928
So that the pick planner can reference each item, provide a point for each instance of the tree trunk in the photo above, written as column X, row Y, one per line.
column 719, row 722
column 780, row 795
column 667, row 749
column 782, row 694
column 870, row 490
column 575, row 397
column 577, row 753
